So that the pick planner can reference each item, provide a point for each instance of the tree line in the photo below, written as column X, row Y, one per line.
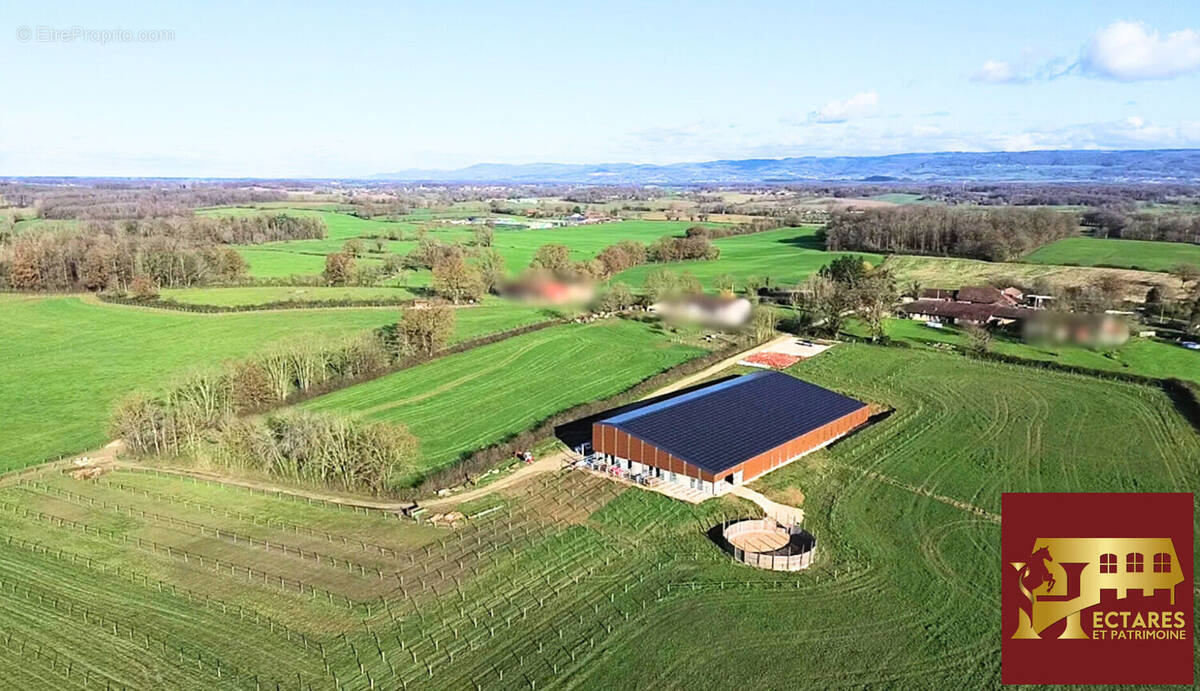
column 1164, row 227
column 168, row 253
column 116, row 199
column 992, row 234
column 468, row 272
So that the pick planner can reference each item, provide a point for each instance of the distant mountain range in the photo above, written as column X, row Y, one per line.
column 1156, row 165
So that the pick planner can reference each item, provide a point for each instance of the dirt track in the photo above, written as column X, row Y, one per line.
column 717, row 368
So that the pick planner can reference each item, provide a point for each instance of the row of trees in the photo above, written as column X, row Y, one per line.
column 163, row 252
column 250, row 229
column 468, row 273
column 63, row 261
column 756, row 225
column 108, row 200
column 992, row 234
column 1109, row 223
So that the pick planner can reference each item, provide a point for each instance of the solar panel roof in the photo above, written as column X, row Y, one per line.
column 720, row 426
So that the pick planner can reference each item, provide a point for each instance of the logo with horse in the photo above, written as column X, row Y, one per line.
column 1096, row 588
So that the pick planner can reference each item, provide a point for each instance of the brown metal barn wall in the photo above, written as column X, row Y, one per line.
column 610, row 440
column 779, row 455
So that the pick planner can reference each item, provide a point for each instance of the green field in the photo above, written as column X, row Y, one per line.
column 907, row 595
column 306, row 257
column 952, row 272
column 784, row 256
column 64, row 362
column 469, row 400
column 579, row 582
column 338, row 226
column 257, row 295
column 1142, row 356
column 1125, row 254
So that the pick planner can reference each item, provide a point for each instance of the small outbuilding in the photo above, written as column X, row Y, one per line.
column 717, row 437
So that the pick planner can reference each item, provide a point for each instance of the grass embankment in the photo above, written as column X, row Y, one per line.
column 64, row 362
column 784, row 256
column 1143, row 255
column 469, row 400
column 577, row 582
column 1142, row 356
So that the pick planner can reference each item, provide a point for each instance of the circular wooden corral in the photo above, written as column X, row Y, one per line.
column 766, row 544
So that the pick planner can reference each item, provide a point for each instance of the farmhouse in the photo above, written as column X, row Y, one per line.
column 968, row 304
column 950, row 312
column 717, row 437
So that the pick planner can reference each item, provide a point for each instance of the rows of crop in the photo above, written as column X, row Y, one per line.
column 158, row 617
column 522, row 597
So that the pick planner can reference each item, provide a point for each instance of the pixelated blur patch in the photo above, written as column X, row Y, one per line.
column 1096, row 588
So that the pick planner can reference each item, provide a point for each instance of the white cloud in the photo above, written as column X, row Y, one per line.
column 1130, row 51
column 998, row 72
column 709, row 141
column 857, row 106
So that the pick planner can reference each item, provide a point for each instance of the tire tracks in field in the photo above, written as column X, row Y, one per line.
column 949, row 501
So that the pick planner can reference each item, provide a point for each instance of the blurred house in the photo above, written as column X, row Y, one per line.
column 549, row 290
column 710, row 310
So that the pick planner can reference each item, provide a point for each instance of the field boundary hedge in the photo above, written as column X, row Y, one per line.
column 275, row 305
column 412, row 361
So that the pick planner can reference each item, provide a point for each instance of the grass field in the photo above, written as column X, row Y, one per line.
column 949, row 272
column 257, row 295
column 1126, row 254
column 578, row 582
column 64, row 362
column 469, row 400
column 1143, row 356
column 338, row 226
column 784, row 256
column 306, row 257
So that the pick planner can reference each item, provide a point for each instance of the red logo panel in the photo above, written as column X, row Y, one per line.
column 1096, row 589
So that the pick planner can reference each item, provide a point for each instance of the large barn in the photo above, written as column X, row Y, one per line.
column 717, row 437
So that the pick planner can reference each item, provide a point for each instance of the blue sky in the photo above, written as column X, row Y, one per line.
column 349, row 89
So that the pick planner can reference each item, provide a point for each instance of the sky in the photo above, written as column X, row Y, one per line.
column 351, row 89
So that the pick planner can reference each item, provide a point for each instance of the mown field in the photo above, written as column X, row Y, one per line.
column 65, row 361
column 784, row 256
column 1143, row 356
column 949, row 272
column 469, row 400
column 1144, row 255
column 577, row 582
